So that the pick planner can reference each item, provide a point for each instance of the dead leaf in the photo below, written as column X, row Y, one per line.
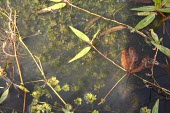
column 110, row 30
column 127, row 58
column 131, row 63
column 91, row 22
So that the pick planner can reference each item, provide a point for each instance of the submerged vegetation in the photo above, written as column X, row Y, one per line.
column 38, row 48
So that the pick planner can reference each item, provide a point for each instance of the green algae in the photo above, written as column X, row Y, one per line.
column 56, row 44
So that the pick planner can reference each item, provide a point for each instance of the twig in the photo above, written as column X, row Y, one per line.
column 41, row 70
column 154, row 60
column 165, row 90
column 57, row 94
column 103, row 99
column 107, row 58
column 13, row 38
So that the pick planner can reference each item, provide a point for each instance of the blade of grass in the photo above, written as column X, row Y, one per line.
column 81, row 54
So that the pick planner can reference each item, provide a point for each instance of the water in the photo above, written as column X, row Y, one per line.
column 49, row 37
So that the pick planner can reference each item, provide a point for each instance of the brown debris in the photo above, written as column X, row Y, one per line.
column 91, row 22
column 131, row 63
column 142, row 65
column 110, row 30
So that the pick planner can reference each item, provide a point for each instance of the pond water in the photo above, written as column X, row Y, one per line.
column 49, row 37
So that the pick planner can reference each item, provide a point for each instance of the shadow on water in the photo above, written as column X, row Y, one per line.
column 48, row 37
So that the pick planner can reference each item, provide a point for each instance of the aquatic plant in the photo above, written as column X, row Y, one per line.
column 155, row 108
column 53, row 83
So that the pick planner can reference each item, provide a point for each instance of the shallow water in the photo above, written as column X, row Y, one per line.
column 49, row 37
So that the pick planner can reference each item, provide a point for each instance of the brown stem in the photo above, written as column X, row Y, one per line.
column 103, row 99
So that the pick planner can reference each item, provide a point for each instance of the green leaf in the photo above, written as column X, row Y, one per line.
column 95, row 35
column 80, row 34
column 55, row 0
column 4, row 95
column 166, row 3
column 145, row 8
column 164, row 10
column 57, row 6
column 146, row 21
column 81, row 54
column 163, row 49
column 158, row 3
column 154, row 35
column 144, row 13
column 51, row 8
column 66, row 111
column 156, row 107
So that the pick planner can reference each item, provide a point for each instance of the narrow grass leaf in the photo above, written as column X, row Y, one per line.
column 51, row 8
column 146, row 21
column 80, row 34
column 164, row 2
column 156, row 107
column 163, row 49
column 95, row 35
column 154, row 35
column 4, row 95
column 81, row 54
column 145, row 8
column 55, row 0
column 164, row 10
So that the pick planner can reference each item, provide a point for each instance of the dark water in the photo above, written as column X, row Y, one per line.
column 56, row 44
